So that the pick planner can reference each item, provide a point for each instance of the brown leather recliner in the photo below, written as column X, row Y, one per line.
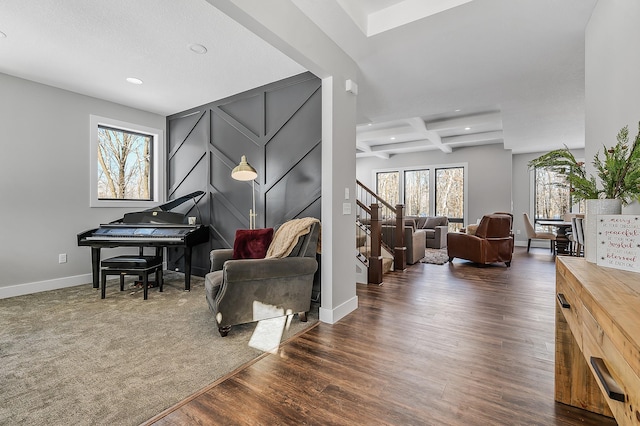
column 492, row 242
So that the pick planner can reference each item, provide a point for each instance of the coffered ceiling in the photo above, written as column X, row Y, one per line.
column 434, row 75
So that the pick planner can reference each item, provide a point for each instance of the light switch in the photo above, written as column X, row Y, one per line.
column 346, row 193
column 346, row 208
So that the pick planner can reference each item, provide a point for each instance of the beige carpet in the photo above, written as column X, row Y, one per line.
column 435, row 256
column 69, row 357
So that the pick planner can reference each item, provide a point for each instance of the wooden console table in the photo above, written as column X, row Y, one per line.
column 598, row 339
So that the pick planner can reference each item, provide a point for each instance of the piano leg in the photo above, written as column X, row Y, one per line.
column 187, row 269
column 95, row 266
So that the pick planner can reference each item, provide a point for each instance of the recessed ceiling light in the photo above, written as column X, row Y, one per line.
column 393, row 138
column 198, row 48
column 467, row 128
column 458, row 110
column 2, row 35
column 134, row 80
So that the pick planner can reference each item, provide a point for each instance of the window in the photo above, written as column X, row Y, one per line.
column 415, row 187
column 126, row 164
column 450, row 195
column 552, row 198
column 416, row 192
column 387, row 187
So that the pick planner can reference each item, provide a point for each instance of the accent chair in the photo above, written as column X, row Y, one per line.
column 240, row 291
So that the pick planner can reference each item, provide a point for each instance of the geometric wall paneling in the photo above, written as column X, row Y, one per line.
column 298, row 188
column 299, row 134
column 248, row 112
column 180, row 168
column 232, row 194
column 313, row 210
column 233, row 139
column 187, row 172
column 181, row 126
column 195, row 142
column 186, row 155
column 282, row 102
column 193, row 177
column 278, row 128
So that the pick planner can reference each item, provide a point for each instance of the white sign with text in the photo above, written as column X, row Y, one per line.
column 618, row 238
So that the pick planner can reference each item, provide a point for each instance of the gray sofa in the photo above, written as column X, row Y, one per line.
column 435, row 227
column 248, row 290
column 414, row 240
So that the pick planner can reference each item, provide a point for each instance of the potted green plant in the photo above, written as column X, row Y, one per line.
column 619, row 178
column 618, row 171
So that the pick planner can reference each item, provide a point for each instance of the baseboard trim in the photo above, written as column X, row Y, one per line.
column 37, row 287
column 534, row 244
column 331, row 316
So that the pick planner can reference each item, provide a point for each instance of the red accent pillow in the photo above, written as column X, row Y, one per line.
column 252, row 243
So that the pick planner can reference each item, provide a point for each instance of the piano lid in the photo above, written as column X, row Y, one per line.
column 160, row 214
column 175, row 203
column 153, row 217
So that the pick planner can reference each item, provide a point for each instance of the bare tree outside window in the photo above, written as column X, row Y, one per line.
column 416, row 192
column 388, row 186
column 450, row 195
column 124, row 164
column 553, row 198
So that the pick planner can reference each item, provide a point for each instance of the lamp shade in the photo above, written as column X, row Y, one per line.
column 244, row 171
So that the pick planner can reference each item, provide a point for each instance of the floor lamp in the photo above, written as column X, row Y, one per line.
column 245, row 172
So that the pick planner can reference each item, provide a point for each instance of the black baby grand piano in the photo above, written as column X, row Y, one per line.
column 157, row 227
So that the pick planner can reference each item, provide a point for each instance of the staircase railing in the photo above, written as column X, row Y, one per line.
column 373, row 213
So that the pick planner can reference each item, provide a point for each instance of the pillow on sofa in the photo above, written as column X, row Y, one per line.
column 252, row 243
column 471, row 229
column 432, row 222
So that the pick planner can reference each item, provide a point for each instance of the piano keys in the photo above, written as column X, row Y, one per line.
column 149, row 228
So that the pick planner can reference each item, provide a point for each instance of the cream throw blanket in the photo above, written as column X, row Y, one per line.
column 286, row 237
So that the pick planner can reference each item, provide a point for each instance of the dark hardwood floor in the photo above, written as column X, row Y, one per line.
column 451, row 344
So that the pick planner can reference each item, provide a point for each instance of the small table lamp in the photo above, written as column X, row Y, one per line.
column 244, row 172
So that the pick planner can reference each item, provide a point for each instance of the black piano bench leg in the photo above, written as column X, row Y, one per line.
column 121, row 282
column 103, row 285
column 159, row 279
column 146, row 285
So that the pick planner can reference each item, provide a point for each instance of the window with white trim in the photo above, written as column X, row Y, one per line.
column 416, row 186
column 127, row 164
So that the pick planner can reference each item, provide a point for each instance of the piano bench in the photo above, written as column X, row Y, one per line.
column 141, row 266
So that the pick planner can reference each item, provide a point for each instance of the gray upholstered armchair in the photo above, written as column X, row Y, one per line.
column 247, row 290
column 435, row 227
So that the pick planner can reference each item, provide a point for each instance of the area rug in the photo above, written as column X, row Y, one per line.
column 69, row 357
column 435, row 256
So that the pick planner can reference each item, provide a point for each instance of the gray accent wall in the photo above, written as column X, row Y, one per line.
column 278, row 128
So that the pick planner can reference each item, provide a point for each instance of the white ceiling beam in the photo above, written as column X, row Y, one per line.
column 467, row 121
column 419, row 125
column 404, row 12
column 476, row 137
column 362, row 146
column 368, row 135
column 367, row 151
column 417, row 145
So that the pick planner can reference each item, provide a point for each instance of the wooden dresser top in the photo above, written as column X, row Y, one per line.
column 613, row 296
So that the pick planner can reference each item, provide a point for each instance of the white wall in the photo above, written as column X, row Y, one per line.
column 612, row 85
column 44, row 183
column 488, row 167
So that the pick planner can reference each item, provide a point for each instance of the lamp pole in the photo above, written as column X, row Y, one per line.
column 245, row 172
